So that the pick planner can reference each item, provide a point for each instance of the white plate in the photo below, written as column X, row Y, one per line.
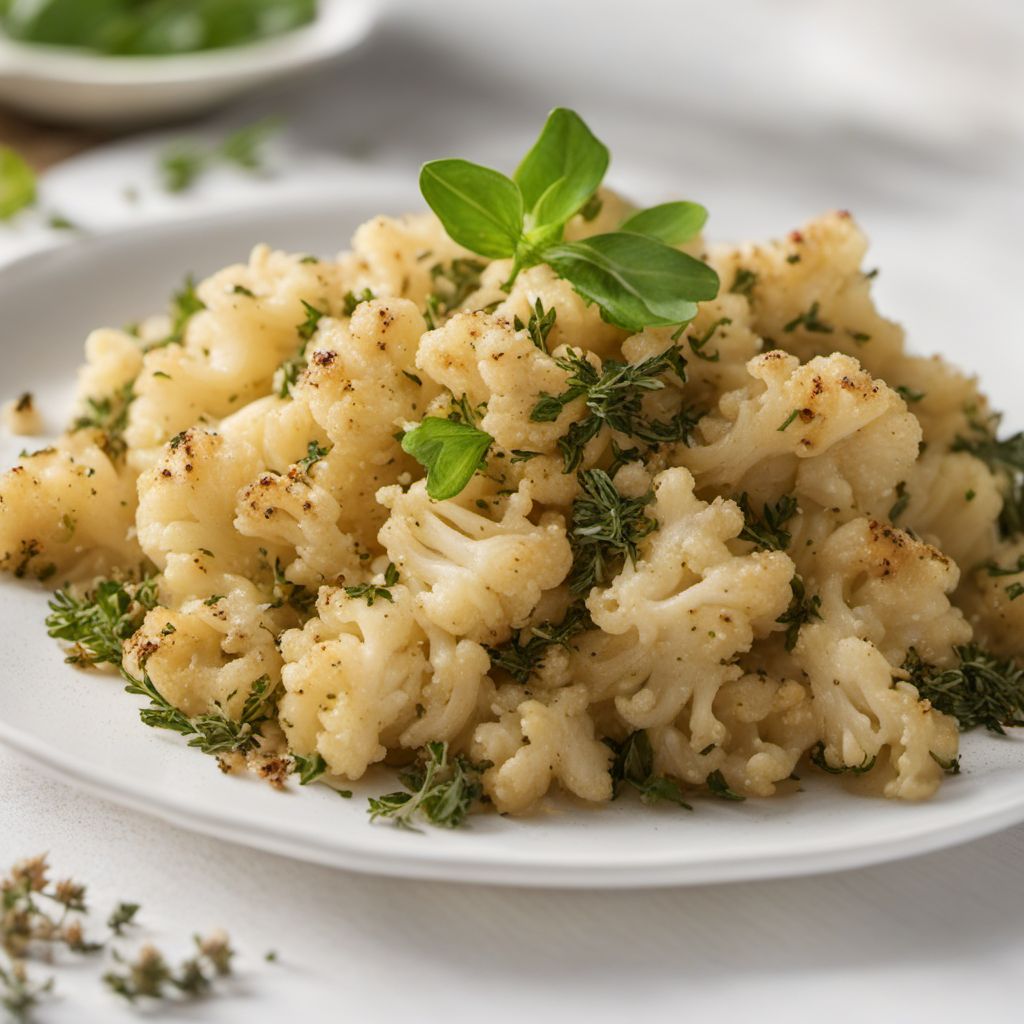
column 83, row 728
column 65, row 84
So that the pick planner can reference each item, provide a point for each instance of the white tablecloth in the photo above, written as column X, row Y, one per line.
column 910, row 115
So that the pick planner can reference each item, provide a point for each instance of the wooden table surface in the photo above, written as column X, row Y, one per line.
column 44, row 145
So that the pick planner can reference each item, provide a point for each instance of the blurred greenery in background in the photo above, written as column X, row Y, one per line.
column 133, row 27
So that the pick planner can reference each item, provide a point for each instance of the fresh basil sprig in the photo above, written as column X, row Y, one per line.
column 451, row 452
column 633, row 274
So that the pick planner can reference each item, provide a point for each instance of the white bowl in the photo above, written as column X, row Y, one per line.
column 63, row 84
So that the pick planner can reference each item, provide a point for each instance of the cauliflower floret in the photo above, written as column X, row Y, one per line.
column 810, row 427
column 717, row 345
column 452, row 695
column 480, row 356
column 539, row 740
column 187, row 501
column 112, row 359
column 360, row 390
column 353, row 676
column 218, row 368
column 861, row 712
column 69, row 510
column 953, row 502
column 769, row 725
column 480, row 577
column 205, row 655
column 397, row 256
column 879, row 583
column 809, row 295
column 881, row 592
column 294, row 511
column 694, row 606
column 992, row 599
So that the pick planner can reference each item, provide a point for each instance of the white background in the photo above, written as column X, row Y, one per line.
column 910, row 115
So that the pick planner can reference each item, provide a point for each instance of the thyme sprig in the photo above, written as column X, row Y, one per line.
column 99, row 622
column 981, row 689
column 606, row 528
column 523, row 655
column 767, row 531
column 441, row 790
column 803, row 608
column 633, row 766
column 614, row 398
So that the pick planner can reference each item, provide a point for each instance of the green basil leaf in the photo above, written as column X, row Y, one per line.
column 451, row 452
column 562, row 170
column 671, row 223
column 17, row 183
column 479, row 208
column 637, row 281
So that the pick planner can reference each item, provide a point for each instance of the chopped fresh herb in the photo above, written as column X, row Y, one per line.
column 802, row 609
column 901, row 502
column 809, row 321
column 981, row 689
column 767, row 531
column 606, row 529
column 213, row 599
column 441, row 790
column 185, row 303
column 858, row 336
column 970, row 494
column 522, row 455
column 744, row 281
column 243, row 147
column 240, row 289
column 818, row 759
column 633, row 765
column 412, row 376
column 523, row 655
column 315, row 452
column 451, row 452
column 908, row 394
column 100, row 621
column 789, row 419
column 181, row 165
column 308, row 327
column 462, row 411
column 719, row 787
column 294, row 594
column 185, row 161
column 58, row 222
column 109, row 415
column 453, row 284
column 372, row 592
column 539, row 326
column 698, row 344
column 351, row 300
column 613, row 397
column 308, row 768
